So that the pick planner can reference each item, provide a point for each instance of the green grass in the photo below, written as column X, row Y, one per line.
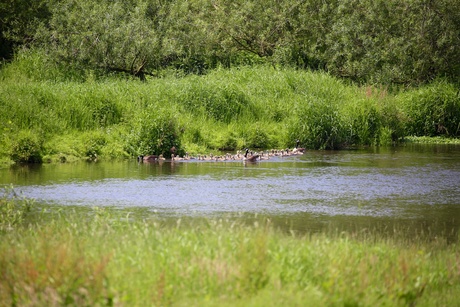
column 431, row 140
column 54, row 117
column 99, row 256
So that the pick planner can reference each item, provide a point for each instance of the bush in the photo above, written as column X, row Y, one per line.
column 154, row 132
column 27, row 148
column 227, row 141
column 94, row 142
column 257, row 136
column 217, row 101
column 386, row 136
column 391, row 121
column 106, row 112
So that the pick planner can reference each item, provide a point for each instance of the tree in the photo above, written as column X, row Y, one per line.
column 381, row 41
column 390, row 41
column 18, row 22
column 123, row 36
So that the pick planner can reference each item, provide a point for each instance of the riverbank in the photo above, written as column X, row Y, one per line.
column 113, row 257
column 431, row 140
column 47, row 120
column 219, row 155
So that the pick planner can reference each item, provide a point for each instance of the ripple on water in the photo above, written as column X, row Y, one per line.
column 384, row 182
column 331, row 190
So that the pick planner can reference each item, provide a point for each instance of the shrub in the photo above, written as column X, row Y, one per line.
column 386, row 136
column 94, row 142
column 27, row 148
column 106, row 113
column 362, row 122
column 220, row 102
column 227, row 141
column 256, row 136
column 392, row 119
column 154, row 132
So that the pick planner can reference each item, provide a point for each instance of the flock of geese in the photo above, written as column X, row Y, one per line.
column 247, row 156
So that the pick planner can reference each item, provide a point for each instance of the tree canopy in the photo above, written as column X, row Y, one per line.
column 382, row 41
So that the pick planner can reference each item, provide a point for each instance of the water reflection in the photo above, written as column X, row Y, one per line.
column 417, row 185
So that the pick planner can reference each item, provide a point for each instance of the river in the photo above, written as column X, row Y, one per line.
column 413, row 187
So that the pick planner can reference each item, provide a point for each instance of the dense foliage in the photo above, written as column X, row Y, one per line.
column 383, row 41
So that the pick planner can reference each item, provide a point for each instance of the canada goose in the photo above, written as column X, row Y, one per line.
column 176, row 158
column 150, row 158
column 209, row 157
column 188, row 157
column 297, row 149
column 238, row 155
column 265, row 156
column 251, row 158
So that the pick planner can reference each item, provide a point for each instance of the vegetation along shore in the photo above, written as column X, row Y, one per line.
column 225, row 110
column 78, row 82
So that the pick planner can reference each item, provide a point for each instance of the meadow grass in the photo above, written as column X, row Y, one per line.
column 102, row 256
column 67, row 118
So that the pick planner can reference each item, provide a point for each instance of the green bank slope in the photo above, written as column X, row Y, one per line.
column 45, row 118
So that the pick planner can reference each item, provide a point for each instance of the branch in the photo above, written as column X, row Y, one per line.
column 242, row 45
column 140, row 73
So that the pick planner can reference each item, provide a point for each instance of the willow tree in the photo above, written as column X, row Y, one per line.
column 392, row 41
column 123, row 36
column 191, row 40
column 381, row 41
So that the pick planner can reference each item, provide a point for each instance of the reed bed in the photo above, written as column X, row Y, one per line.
column 57, row 256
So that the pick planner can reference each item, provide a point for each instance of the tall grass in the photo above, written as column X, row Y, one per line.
column 109, row 257
column 432, row 110
column 258, row 107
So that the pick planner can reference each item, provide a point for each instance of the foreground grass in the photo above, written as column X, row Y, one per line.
column 107, row 257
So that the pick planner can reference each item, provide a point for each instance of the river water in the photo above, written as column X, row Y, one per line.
column 412, row 186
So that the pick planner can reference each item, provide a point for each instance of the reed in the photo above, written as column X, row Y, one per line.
column 104, row 256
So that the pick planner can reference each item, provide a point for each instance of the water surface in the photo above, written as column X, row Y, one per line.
column 415, row 185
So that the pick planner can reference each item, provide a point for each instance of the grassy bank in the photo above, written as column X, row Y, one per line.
column 108, row 257
column 431, row 140
column 46, row 117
